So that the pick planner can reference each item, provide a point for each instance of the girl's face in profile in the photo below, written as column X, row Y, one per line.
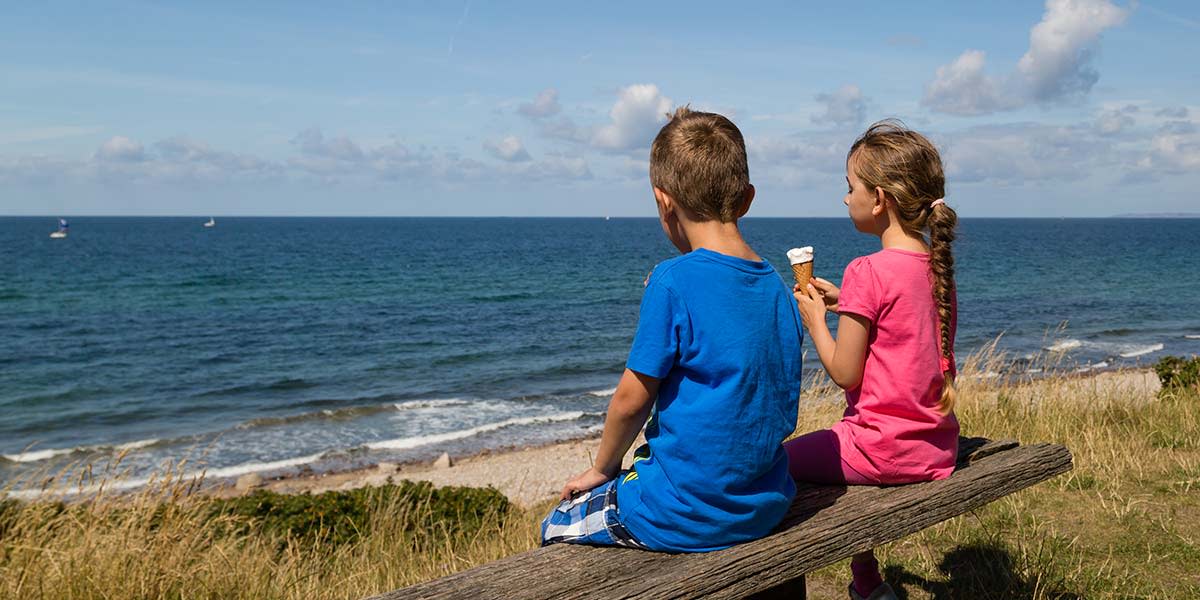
column 861, row 202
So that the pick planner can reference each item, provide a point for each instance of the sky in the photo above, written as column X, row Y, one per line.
column 1075, row 108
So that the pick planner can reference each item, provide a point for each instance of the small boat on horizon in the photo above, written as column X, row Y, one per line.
column 62, row 230
column 211, row 222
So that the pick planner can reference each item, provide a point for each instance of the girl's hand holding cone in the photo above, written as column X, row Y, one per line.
column 812, row 307
column 828, row 291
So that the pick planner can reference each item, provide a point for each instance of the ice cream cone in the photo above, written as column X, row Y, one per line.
column 801, row 260
column 803, row 272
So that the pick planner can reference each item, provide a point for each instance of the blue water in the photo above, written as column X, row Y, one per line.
column 268, row 344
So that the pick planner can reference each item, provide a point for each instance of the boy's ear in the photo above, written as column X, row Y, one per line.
column 666, row 204
column 746, row 200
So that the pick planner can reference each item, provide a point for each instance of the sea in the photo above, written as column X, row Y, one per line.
column 286, row 345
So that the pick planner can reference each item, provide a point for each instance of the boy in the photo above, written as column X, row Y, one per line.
column 717, row 358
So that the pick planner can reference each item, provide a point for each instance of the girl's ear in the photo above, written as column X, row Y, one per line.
column 880, row 205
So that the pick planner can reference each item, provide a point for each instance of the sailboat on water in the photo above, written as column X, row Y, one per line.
column 211, row 222
column 62, row 230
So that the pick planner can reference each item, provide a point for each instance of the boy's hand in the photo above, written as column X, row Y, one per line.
column 828, row 291
column 584, row 482
column 812, row 306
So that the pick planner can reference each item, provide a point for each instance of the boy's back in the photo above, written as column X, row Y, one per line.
column 723, row 335
column 714, row 372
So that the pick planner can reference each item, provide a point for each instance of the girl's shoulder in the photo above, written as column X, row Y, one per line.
column 890, row 269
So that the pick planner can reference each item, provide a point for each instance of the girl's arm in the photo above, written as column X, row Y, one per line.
column 844, row 357
column 627, row 413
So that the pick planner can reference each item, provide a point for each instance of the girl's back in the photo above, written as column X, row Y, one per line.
column 895, row 430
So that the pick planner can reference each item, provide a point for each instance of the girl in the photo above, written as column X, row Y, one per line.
column 894, row 354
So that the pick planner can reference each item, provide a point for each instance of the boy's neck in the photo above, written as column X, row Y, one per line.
column 723, row 238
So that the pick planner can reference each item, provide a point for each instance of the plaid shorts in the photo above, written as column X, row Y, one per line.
column 589, row 518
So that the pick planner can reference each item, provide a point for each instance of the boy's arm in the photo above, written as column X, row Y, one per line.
column 627, row 413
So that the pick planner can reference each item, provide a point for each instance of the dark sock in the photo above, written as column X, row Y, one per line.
column 866, row 575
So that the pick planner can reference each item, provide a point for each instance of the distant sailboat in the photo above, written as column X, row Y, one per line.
column 211, row 222
column 62, row 230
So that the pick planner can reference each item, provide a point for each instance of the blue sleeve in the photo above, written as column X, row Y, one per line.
column 656, row 343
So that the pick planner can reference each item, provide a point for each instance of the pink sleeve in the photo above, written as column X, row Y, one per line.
column 860, row 290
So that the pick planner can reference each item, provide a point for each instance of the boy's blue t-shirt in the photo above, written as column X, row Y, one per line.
column 723, row 334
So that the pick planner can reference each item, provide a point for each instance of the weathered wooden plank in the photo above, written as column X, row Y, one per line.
column 825, row 524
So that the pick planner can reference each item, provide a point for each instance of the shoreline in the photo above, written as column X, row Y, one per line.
column 531, row 475
column 526, row 475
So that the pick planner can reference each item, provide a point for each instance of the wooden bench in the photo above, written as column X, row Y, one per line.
column 824, row 525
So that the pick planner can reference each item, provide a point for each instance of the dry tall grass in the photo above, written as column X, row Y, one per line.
column 1125, row 523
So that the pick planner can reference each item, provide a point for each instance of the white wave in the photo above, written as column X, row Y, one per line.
column 128, row 484
column 1093, row 367
column 137, row 444
column 40, row 455
column 602, row 393
column 1192, row 336
column 437, row 438
column 256, row 467
column 36, row 455
column 1064, row 345
column 1140, row 350
column 433, row 403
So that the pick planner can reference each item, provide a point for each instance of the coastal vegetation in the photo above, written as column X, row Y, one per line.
column 1123, row 524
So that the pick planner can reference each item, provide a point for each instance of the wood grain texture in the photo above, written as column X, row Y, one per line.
column 825, row 524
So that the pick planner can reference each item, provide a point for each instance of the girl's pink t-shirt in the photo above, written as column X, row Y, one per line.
column 892, row 430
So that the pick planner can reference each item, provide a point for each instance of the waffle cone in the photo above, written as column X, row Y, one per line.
column 803, row 272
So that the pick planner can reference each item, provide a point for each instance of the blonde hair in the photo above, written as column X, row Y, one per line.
column 699, row 159
column 907, row 167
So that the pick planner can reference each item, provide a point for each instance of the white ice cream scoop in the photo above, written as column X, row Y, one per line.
column 800, row 255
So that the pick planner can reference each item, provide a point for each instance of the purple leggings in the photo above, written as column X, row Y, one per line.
column 816, row 457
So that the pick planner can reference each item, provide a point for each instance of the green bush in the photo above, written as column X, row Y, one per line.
column 339, row 517
column 1177, row 373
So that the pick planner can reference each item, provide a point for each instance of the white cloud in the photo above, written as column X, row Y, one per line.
column 120, row 149
column 1172, row 112
column 544, row 105
column 313, row 143
column 555, row 167
column 563, row 128
column 1175, row 149
column 962, row 88
column 1061, row 46
column 1022, row 152
column 844, row 106
column 1112, row 122
column 185, row 157
column 1056, row 68
column 509, row 149
column 635, row 118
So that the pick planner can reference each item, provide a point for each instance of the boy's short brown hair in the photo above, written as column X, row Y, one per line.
column 699, row 159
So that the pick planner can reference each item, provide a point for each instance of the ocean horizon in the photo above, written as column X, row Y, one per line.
column 273, row 344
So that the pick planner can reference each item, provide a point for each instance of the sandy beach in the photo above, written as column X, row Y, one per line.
column 527, row 476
